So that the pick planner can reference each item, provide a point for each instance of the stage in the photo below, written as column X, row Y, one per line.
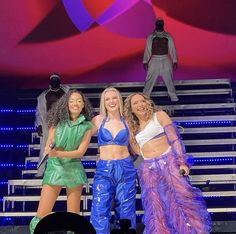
column 219, row 227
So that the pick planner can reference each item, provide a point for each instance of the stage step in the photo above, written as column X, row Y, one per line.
column 194, row 179
column 186, row 142
column 12, row 199
column 36, row 159
column 200, row 107
column 189, row 92
column 87, row 213
column 217, row 154
column 34, row 171
column 204, row 118
column 197, row 83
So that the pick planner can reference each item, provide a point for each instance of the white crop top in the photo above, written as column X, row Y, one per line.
column 152, row 130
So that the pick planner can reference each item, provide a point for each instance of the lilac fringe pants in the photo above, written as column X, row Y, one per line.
column 171, row 205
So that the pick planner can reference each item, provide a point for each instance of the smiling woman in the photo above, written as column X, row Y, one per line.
column 115, row 175
column 76, row 104
column 70, row 131
column 170, row 203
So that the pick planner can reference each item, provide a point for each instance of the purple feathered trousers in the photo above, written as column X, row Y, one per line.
column 171, row 205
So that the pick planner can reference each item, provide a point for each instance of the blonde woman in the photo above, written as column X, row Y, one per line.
column 115, row 176
column 171, row 205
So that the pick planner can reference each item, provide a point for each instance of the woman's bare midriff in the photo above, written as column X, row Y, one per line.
column 113, row 152
column 155, row 147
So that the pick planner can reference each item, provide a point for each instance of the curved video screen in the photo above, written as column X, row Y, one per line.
column 90, row 41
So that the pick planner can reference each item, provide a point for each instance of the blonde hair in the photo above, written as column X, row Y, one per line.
column 131, row 118
column 102, row 108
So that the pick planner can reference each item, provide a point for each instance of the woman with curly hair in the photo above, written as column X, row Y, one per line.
column 115, row 176
column 171, row 205
column 70, row 131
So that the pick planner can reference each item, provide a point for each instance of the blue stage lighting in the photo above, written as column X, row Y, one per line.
column 6, row 128
column 6, row 110
column 3, row 182
column 25, row 128
column 25, row 111
column 202, row 123
column 6, row 146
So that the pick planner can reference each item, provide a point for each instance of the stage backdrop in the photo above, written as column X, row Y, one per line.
column 103, row 40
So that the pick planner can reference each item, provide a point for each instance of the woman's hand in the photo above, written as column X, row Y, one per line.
column 47, row 149
column 55, row 152
column 185, row 169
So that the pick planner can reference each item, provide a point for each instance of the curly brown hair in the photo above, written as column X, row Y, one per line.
column 131, row 118
column 59, row 112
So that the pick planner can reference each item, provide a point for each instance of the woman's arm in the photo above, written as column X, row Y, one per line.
column 50, row 140
column 173, row 138
column 134, row 148
column 79, row 153
column 134, row 151
column 96, row 121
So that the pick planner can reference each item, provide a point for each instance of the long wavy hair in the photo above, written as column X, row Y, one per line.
column 131, row 118
column 102, row 109
column 59, row 111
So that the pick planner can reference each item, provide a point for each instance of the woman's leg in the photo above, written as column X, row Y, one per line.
column 73, row 199
column 125, row 197
column 187, row 208
column 103, row 194
column 48, row 198
column 152, row 184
